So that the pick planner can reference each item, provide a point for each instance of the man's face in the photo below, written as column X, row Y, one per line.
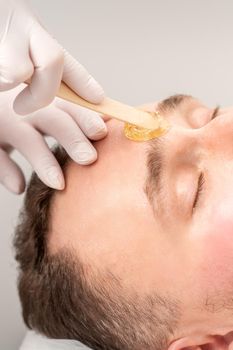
column 158, row 214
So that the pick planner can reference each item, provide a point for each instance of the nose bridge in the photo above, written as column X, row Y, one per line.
column 180, row 144
column 217, row 135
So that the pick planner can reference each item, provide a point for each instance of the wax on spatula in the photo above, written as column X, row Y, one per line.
column 139, row 124
column 137, row 133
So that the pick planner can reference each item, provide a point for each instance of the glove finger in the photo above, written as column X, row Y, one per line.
column 106, row 118
column 79, row 80
column 33, row 147
column 63, row 128
column 15, row 62
column 89, row 121
column 48, row 60
column 11, row 175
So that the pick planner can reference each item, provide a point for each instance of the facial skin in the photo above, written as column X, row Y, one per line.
column 174, row 241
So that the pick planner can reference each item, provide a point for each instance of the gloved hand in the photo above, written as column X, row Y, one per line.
column 28, row 51
column 69, row 124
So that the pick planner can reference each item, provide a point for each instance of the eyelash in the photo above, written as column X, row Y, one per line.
column 215, row 113
column 200, row 187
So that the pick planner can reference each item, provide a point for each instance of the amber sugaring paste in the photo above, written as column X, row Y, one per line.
column 136, row 133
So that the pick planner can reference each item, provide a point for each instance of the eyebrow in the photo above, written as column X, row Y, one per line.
column 156, row 155
column 155, row 166
column 173, row 102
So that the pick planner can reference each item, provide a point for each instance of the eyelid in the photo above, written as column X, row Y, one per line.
column 185, row 182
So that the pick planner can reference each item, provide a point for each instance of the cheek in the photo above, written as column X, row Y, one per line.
column 217, row 245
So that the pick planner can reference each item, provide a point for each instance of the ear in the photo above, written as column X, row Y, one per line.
column 210, row 342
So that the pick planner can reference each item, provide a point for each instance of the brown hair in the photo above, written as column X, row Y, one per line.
column 63, row 297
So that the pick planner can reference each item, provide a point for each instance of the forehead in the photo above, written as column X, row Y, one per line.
column 120, row 160
column 101, row 191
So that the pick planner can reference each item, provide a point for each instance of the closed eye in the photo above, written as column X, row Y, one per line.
column 201, row 179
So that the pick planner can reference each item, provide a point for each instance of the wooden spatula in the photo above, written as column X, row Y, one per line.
column 114, row 109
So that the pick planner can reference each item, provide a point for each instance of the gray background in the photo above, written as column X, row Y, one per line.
column 140, row 51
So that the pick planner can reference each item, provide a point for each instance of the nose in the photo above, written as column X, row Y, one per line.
column 217, row 135
column 214, row 139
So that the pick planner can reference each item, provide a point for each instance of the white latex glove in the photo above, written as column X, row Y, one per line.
column 28, row 51
column 68, row 123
